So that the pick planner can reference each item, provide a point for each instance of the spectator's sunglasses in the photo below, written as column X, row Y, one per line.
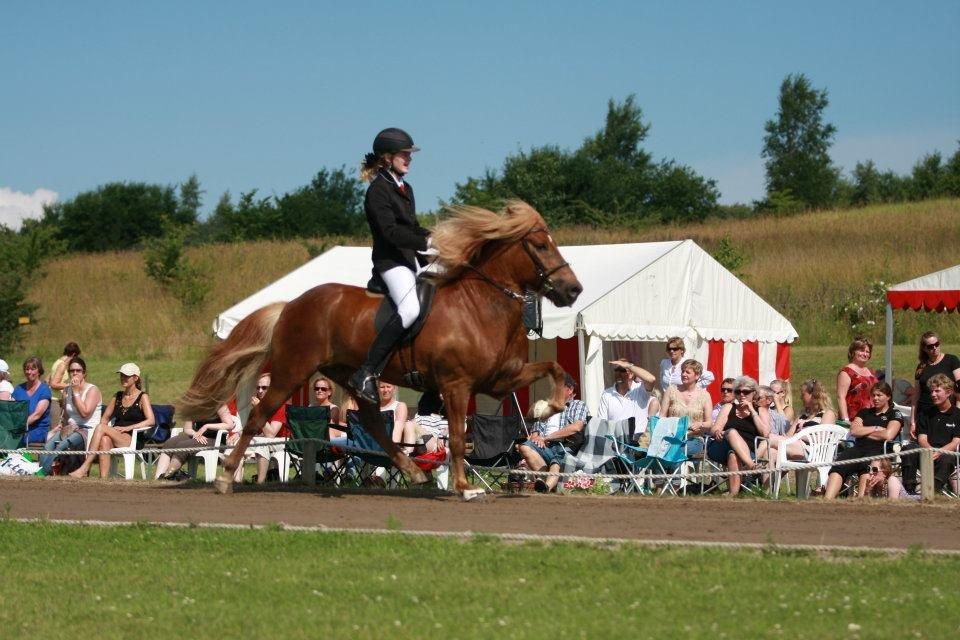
column 75, row 370
column 874, row 470
column 743, row 392
column 726, row 389
column 261, row 387
column 321, row 388
column 932, row 345
column 674, row 348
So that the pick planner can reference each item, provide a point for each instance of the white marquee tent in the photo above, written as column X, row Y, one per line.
column 939, row 291
column 640, row 292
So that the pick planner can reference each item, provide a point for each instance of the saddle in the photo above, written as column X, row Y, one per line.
column 426, row 289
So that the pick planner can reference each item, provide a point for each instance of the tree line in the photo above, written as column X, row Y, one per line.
column 609, row 180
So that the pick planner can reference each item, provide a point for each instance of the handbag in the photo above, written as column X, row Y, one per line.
column 574, row 442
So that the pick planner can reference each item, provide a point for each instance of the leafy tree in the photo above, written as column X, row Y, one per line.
column 949, row 184
column 926, row 176
column 866, row 184
column 166, row 264
column 331, row 204
column 797, row 144
column 190, row 201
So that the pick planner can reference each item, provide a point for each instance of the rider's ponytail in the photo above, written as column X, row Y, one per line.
column 369, row 166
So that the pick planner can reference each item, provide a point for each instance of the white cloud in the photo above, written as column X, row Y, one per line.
column 16, row 206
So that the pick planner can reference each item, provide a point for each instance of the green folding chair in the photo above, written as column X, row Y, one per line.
column 308, row 422
column 13, row 422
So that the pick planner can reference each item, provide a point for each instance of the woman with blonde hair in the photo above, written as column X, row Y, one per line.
column 817, row 409
column 879, row 482
column 397, row 240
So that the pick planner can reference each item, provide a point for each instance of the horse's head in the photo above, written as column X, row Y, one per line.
column 516, row 241
column 552, row 275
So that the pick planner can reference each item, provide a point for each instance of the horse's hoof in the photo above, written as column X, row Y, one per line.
column 469, row 495
column 223, row 484
column 419, row 477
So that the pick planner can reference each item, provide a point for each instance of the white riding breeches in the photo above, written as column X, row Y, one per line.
column 402, row 285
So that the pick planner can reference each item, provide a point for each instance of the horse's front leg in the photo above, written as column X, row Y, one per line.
column 224, row 481
column 370, row 414
column 455, row 399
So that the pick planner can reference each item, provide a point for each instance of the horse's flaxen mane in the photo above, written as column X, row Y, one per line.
column 459, row 238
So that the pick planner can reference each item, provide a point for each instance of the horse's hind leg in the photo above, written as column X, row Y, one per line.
column 370, row 414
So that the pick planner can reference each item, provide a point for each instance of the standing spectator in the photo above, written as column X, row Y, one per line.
column 630, row 396
column 6, row 386
column 195, row 434
column 691, row 400
column 783, row 399
column 59, row 378
column 275, row 427
column 671, row 366
column 81, row 414
column 855, row 381
column 939, row 430
column 37, row 394
column 128, row 409
column 726, row 397
column 544, row 449
column 871, row 427
column 932, row 361
column 736, row 429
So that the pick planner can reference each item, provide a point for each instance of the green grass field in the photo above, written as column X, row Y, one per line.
column 147, row 581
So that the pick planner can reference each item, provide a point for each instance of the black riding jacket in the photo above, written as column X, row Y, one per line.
column 391, row 213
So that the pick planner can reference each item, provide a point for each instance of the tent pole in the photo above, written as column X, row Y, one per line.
column 888, row 355
column 581, row 356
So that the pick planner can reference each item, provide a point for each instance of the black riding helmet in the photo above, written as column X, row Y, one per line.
column 393, row 140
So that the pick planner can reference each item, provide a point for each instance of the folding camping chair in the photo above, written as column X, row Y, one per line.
column 493, row 440
column 308, row 422
column 13, row 422
column 601, row 441
column 664, row 455
column 374, row 457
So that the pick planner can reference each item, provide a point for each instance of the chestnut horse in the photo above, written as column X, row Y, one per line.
column 473, row 341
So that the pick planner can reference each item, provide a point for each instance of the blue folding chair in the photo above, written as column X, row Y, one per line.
column 664, row 455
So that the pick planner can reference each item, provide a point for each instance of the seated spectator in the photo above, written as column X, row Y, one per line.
column 691, row 400
column 779, row 425
column 128, row 409
column 388, row 402
column 59, row 378
column 429, row 428
column 671, row 367
column 195, row 434
column 817, row 409
column 871, row 427
column 939, row 430
column 274, row 427
column 6, row 386
column 545, row 448
column 879, row 482
column 631, row 396
column 782, row 399
column 726, row 397
column 323, row 397
column 81, row 414
column 736, row 429
column 38, row 396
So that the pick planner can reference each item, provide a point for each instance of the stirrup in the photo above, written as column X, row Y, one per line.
column 366, row 385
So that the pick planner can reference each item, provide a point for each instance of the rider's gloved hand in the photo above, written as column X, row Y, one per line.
column 430, row 250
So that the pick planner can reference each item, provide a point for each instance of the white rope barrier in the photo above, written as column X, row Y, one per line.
column 347, row 449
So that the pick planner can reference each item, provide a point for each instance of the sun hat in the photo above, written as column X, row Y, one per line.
column 129, row 369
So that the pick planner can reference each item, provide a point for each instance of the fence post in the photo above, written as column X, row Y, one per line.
column 802, row 477
column 308, row 468
column 926, row 474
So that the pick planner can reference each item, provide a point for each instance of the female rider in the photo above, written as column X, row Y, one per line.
column 397, row 238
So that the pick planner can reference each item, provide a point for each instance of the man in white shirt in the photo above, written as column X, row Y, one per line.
column 630, row 396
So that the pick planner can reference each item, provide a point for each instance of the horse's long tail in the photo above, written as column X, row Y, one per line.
column 229, row 364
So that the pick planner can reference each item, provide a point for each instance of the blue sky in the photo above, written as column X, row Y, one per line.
column 262, row 95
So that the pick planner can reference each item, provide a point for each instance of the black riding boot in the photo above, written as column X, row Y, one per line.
column 364, row 381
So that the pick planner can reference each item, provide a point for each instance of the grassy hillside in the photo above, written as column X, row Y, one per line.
column 801, row 264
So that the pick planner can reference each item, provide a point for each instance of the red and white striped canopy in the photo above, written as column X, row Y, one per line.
column 938, row 291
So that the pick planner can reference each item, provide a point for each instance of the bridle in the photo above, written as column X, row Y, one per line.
column 545, row 283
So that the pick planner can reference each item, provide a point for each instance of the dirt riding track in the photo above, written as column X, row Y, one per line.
column 845, row 523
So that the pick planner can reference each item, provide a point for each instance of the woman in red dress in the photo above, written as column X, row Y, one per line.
column 855, row 380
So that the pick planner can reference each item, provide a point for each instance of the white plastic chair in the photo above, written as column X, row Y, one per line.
column 131, row 455
column 820, row 446
column 273, row 453
column 210, row 458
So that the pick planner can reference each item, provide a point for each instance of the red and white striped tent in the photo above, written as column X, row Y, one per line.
column 635, row 297
column 939, row 291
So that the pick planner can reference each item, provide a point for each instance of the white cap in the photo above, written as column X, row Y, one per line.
column 4, row 367
column 129, row 369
